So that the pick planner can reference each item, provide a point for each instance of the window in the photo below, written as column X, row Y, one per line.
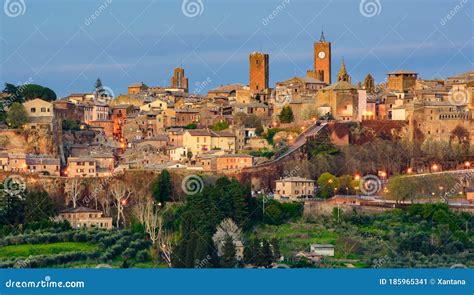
column 33, row 110
column 43, row 110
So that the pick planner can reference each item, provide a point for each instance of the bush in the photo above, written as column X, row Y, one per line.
column 143, row 256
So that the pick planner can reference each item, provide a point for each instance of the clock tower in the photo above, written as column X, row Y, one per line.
column 322, row 60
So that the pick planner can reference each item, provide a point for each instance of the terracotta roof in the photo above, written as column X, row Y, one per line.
column 228, row 88
column 79, row 210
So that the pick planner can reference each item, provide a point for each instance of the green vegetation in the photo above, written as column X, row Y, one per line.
column 219, row 126
column 71, row 125
column 161, row 188
column 16, row 115
column 69, row 248
column 262, row 153
column 428, row 235
column 404, row 188
column 32, row 91
column 191, row 126
column 298, row 236
column 286, row 115
column 271, row 133
column 26, row 250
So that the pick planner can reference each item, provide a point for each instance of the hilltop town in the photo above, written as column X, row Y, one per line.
column 298, row 162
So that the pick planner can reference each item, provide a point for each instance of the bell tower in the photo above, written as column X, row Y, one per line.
column 322, row 60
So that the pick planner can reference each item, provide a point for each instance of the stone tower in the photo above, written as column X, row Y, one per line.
column 322, row 60
column 179, row 80
column 259, row 71
column 369, row 83
column 343, row 75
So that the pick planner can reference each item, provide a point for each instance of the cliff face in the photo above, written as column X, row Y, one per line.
column 28, row 142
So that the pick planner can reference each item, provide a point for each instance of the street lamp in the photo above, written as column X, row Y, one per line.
column 467, row 164
column 434, row 167
column 409, row 170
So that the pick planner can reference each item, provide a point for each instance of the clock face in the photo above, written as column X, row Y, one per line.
column 321, row 54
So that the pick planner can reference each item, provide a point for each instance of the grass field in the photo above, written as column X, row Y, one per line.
column 296, row 237
column 26, row 250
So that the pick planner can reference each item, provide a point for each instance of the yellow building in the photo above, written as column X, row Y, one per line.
column 81, row 167
column 202, row 140
column 40, row 114
column 294, row 188
column 82, row 217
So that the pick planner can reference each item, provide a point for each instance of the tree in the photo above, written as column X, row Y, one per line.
column 276, row 249
column 227, row 228
column 73, row 190
column 267, row 254
column 17, row 115
column 161, row 187
column 120, row 194
column 327, row 184
column 39, row 207
column 189, row 155
column 32, row 91
column 98, row 85
column 219, row 126
column 228, row 259
column 286, row 115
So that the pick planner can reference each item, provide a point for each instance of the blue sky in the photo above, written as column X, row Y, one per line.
column 57, row 43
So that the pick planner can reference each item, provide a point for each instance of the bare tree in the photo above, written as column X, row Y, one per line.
column 120, row 194
column 73, row 190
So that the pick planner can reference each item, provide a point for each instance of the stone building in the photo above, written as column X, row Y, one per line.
column 179, row 80
column 401, row 80
column 82, row 217
column 341, row 98
column 322, row 60
column 294, row 188
column 137, row 88
column 259, row 71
